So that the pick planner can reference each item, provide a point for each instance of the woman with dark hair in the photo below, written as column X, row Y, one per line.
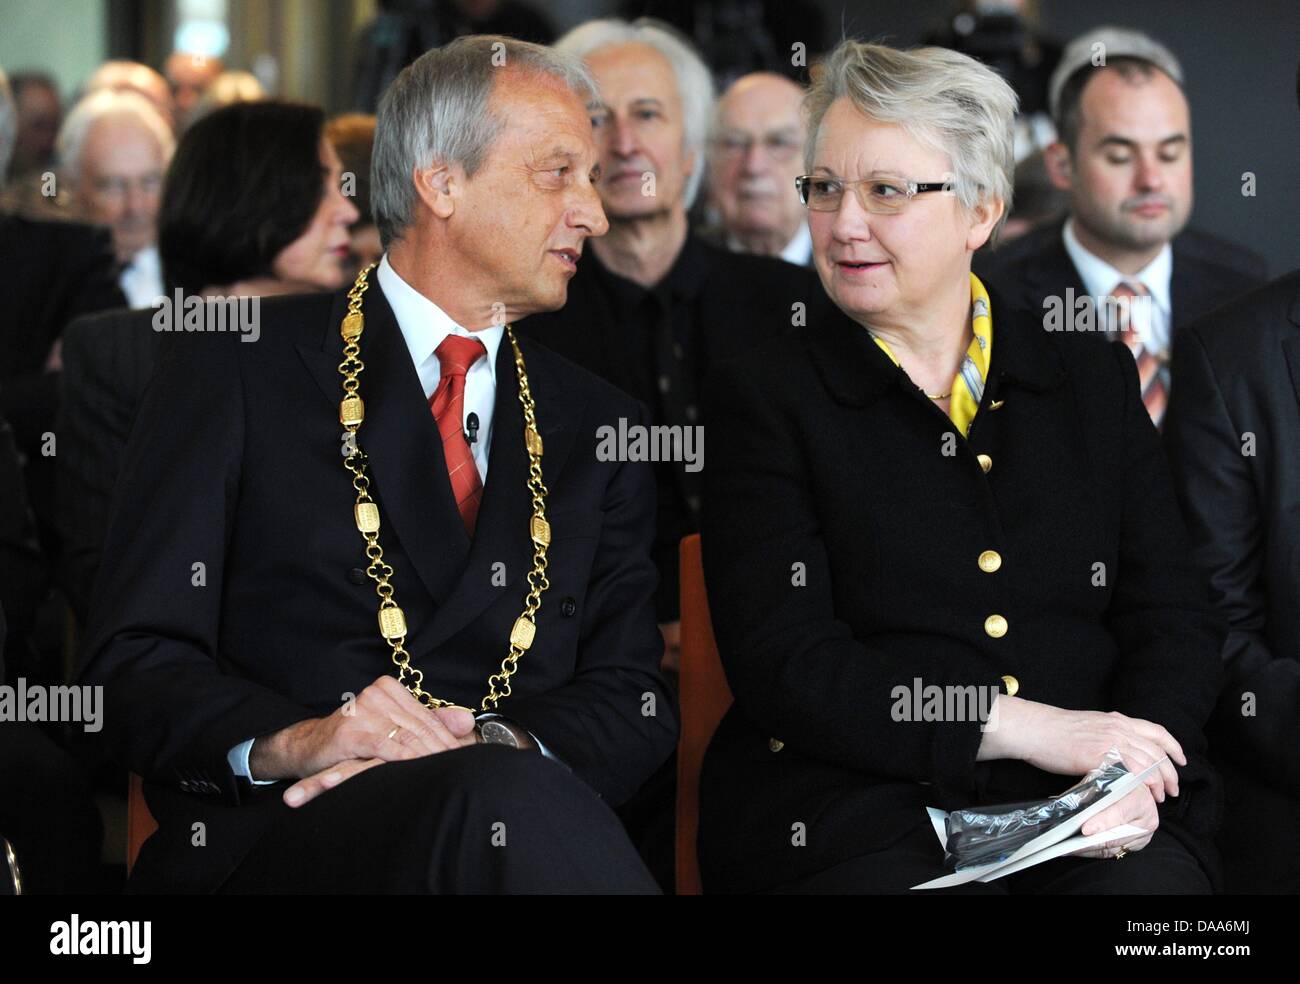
column 253, row 204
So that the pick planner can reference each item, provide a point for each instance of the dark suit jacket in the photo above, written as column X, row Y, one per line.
column 108, row 360
column 840, row 552
column 1207, row 272
column 234, row 463
column 736, row 302
column 54, row 271
column 1237, row 373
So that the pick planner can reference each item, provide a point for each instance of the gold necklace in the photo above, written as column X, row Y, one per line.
column 938, row 396
column 392, row 621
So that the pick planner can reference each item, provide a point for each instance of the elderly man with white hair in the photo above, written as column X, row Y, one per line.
column 756, row 146
column 461, row 675
column 654, row 305
column 114, row 148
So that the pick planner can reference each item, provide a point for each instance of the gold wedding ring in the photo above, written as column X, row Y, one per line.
column 394, row 731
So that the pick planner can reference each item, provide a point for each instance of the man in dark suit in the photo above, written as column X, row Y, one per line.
column 1124, row 156
column 1232, row 433
column 654, row 305
column 289, row 683
column 108, row 360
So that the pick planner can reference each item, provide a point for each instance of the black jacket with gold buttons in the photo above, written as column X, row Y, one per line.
column 848, row 536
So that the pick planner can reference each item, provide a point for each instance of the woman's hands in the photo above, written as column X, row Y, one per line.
column 1137, row 808
column 1073, row 743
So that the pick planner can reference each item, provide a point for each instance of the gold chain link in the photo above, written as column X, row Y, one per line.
column 392, row 621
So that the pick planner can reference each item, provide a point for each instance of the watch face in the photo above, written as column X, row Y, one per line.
column 496, row 733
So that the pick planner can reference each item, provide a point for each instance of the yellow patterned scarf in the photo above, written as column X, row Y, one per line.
column 968, row 384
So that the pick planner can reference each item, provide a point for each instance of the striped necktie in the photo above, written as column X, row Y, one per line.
column 1155, row 391
column 456, row 354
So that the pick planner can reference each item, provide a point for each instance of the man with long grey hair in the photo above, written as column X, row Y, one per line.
column 418, row 495
column 655, row 305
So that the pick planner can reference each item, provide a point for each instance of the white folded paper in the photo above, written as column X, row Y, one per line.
column 1052, row 844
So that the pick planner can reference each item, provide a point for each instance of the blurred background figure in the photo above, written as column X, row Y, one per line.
column 40, row 111
column 252, row 207
column 227, row 89
column 114, row 149
column 54, row 271
column 1005, row 35
column 755, row 155
column 1124, row 158
column 353, row 137
column 135, row 77
column 1037, row 200
column 405, row 29
column 740, row 37
column 189, row 76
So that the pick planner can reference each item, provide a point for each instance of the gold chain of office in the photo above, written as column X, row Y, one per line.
column 392, row 621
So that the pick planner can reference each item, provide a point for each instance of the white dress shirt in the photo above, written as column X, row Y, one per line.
column 141, row 279
column 1100, row 279
column 799, row 249
column 424, row 325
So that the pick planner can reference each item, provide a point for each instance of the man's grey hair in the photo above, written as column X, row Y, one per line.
column 694, row 82
column 944, row 99
column 436, row 112
column 8, row 126
column 109, row 104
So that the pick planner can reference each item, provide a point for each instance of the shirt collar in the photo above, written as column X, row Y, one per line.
column 799, row 249
column 1100, row 278
column 424, row 325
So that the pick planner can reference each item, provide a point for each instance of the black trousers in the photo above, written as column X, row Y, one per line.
column 47, row 814
column 1163, row 867
column 483, row 819
column 1258, row 835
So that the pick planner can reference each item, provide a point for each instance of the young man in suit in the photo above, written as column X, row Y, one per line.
column 1124, row 156
column 288, row 615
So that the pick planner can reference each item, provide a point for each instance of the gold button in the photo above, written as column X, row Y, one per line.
column 985, row 462
column 995, row 626
column 990, row 561
column 776, row 744
column 1013, row 685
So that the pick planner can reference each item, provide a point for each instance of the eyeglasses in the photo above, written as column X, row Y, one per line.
column 779, row 146
column 884, row 196
column 114, row 190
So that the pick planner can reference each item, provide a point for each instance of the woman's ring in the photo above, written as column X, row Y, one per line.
column 394, row 731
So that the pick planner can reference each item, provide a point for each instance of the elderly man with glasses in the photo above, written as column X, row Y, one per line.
column 756, row 148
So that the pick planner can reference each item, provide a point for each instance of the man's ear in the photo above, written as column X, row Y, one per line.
column 438, row 187
column 1059, row 164
column 984, row 217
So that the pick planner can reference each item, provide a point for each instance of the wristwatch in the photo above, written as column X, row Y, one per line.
column 493, row 729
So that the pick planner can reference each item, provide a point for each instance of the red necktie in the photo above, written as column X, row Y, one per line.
column 456, row 354
column 1154, row 394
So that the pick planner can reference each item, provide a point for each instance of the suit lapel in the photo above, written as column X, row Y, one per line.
column 502, row 531
column 1292, row 347
column 400, row 439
